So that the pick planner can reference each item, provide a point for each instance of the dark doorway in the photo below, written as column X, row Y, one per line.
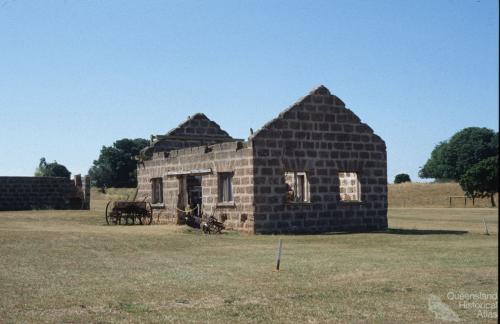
column 194, row 192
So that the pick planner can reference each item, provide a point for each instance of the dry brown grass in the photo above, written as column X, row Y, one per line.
column 68, row 267
column 430, row 195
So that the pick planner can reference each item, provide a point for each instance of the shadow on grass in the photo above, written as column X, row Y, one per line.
column 404, row 231
column 397, row 231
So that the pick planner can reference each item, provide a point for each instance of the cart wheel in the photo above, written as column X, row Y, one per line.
column 109, row 218
column 146, row 219
column 132, row 217
column 141, row 218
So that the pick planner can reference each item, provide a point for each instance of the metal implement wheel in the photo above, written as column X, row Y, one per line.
column 146, row 218
column 214, row 229
column 110, row 217
column 129, row 218
column 137, row 218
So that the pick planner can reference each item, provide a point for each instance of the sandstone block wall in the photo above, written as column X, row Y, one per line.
column 317, row 136
column 320, row 136
column 235, row 157
column 25, row 193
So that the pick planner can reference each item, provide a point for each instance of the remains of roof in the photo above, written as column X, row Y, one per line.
column 197, row 125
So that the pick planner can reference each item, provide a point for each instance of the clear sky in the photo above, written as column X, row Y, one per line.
column 77, row 75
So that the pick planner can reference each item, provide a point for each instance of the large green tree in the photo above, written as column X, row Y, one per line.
column 116, row 166
column 451, row 159
column 481, row 180
column 53, row 169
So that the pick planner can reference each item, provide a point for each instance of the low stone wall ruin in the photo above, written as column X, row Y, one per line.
column 26, row 193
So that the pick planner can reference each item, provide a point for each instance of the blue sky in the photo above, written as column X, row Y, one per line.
column 76, row 75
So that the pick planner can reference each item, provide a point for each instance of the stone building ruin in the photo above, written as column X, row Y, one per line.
column 314, row 168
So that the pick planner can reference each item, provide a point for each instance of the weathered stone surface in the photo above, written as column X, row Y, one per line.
column 345, row 145
column 317, row 135
column 25, row 193
column 227, row 157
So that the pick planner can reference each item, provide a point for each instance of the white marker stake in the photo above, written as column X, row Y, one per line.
column 278, row 256
column 485, row 227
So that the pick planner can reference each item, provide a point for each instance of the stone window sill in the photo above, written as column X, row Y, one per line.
column 226, row 204
column 158, row 206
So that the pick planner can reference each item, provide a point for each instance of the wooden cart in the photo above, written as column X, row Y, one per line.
column 128, row 213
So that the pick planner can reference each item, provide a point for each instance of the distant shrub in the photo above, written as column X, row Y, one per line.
column 53, row 169
column 481, row 180
column 401, row 178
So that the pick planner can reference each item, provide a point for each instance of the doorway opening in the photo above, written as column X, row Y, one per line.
column 194, row 193
column 190, row 199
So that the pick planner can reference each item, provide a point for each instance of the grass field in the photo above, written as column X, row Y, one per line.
column 67, row 266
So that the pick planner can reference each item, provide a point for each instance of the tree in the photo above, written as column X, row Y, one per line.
column 116, row 166
column 481, row 180
column 53, row 169
column 451, row 159
column 401, row 178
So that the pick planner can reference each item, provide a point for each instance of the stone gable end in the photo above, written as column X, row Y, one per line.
column 199, row 125
column 197, row 130
column 318, row 135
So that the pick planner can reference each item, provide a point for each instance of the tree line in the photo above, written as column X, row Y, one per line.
column 469, row 157
column 115, row 167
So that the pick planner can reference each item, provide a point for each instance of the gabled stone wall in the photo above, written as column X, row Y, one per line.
column 197, row 130
column 199, row 125
column 320, row 136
